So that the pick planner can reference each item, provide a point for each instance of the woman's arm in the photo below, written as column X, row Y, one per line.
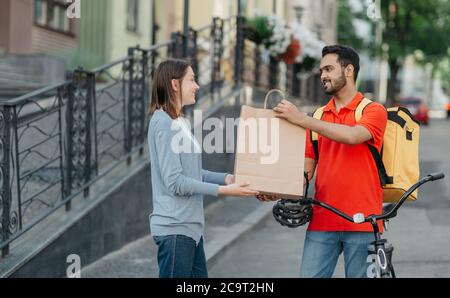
column 172, row 171
column 214, row 177
column 181, row 185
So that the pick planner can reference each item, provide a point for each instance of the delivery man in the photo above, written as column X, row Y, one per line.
column 346, row 173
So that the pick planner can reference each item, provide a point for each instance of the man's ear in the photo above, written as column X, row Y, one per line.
column 175, row 85
column 349, row 70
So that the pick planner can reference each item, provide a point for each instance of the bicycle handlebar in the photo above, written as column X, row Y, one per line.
column 437, row 176
column 428, row 178
column 359, row 218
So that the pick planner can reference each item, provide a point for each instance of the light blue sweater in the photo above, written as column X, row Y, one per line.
column 178, row 183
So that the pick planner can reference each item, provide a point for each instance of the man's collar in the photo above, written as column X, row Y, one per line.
column 351, row 106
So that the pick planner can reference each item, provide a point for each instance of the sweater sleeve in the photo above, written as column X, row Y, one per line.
column 214, row 177
column 172, row 171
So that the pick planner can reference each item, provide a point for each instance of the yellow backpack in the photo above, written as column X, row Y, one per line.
column 398, row 163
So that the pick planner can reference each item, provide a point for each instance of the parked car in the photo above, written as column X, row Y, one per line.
column 418, row 108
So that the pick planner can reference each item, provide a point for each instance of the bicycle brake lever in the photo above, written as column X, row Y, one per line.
column 385, row 222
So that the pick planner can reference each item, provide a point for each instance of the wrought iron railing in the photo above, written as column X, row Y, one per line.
column 56, row 142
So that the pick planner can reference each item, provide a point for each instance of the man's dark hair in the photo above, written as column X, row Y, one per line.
column 346, row 56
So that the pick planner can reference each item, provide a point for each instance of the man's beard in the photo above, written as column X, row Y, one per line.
column 337, row 85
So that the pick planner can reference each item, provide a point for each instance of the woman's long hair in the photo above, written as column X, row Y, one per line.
column 163, row 95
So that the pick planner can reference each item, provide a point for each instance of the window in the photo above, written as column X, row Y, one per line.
column 51, row 14
column 40, row 12
column 132, row 15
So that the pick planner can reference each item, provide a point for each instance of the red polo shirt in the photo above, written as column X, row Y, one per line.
column 346, row 175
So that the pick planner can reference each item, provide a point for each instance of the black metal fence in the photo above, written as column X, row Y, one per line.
column 56, row 142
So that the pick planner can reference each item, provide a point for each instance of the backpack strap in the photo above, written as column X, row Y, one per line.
column 384, row 179
column 314, row 135
column 360, row 108
column 319, row 113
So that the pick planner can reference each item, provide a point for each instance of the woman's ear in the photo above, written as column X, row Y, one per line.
column 175, row 85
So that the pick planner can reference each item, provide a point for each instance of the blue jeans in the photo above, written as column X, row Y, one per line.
column 180, row 257
column 322, row 250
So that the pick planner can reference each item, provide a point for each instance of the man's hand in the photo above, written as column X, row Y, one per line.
column 267, row 198
column 287, row 110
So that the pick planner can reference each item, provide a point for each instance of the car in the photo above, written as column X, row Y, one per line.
column 418, row 108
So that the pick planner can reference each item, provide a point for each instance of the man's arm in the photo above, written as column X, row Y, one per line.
column 341, row 133
column 350, row 135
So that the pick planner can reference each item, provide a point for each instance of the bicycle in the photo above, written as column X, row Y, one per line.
column 300, row 212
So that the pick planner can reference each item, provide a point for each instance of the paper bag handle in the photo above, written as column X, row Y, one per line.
column 270, row 92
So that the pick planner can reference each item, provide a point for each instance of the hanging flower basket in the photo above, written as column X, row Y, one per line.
column 292, row 52
column 290, row 43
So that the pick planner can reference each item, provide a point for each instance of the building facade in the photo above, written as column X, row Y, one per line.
column 103, row 32
column 37, row 26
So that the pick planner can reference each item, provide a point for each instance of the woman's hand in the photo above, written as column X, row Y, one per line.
column 237, row 190
column 229, row 179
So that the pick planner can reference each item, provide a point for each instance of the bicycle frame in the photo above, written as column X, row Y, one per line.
column 383, row 257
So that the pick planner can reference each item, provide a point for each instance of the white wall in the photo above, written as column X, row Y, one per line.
column 120, row 38
column 316, row 13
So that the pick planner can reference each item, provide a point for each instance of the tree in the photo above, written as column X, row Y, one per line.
column 444, row 73
column 346, row 27
column 411, row 26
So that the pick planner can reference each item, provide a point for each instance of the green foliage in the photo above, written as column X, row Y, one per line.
column 257, row 29
column 346, row 28
column 408, row 26
column 416, row 25
column 444, row 74
column 308, row 64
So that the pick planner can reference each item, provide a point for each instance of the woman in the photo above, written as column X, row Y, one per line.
column 178, row 180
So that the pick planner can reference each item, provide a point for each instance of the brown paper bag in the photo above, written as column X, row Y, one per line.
column 270, row 152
